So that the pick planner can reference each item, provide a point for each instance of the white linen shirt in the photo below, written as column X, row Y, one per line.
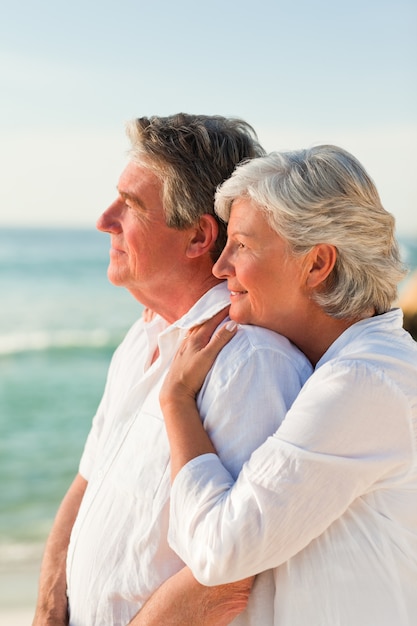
column 119, row 553
column 330, row 500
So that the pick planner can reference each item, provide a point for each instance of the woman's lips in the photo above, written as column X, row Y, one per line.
column 233, row 293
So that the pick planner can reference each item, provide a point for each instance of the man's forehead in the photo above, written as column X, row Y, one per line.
column 137, row 178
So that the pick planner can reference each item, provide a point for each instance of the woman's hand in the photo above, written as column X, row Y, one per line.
column 195, row 357
column 186, row 434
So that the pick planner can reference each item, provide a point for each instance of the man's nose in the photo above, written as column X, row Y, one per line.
column 109, row 221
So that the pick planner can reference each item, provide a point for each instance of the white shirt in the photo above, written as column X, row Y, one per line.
column 330, row 499
column 119, row 553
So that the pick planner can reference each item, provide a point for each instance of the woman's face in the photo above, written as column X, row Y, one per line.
column 266, row 282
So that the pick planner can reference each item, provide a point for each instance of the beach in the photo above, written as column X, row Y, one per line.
column 18, row 587
column 16, row 617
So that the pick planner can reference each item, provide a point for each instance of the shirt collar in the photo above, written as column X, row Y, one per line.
column 385, row 323
column 213, row 301
column 208, row 305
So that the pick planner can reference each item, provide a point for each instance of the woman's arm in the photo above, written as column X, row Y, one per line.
column 186, row 434
column 339, row 442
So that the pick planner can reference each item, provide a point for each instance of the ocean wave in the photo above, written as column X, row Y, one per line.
column 20, row 552
column 38, row 341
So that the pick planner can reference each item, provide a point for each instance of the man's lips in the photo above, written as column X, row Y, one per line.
column 116, row 251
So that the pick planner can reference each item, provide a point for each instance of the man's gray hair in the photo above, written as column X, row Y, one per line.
column 191, row 155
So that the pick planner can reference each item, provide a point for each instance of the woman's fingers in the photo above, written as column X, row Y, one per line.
column 202, row 334
column 199, row 352
column 204, row 342
column 219, row 339
column 195, row 357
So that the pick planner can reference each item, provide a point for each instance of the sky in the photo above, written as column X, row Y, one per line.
column 302, row 73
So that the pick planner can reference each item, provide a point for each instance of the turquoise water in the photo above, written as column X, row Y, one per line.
column 60, row 320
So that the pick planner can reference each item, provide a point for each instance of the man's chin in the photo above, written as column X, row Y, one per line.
column 115, row 278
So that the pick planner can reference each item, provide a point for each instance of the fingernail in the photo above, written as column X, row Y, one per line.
column 230, row 326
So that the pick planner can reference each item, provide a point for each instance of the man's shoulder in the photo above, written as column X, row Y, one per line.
column 262, row 343
column 262, row 338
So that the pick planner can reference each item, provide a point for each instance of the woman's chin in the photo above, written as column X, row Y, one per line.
column 239, row 316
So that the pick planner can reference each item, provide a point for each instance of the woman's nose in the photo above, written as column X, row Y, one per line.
column 223, row 267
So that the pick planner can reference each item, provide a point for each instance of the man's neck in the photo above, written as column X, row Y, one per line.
column 172, row 306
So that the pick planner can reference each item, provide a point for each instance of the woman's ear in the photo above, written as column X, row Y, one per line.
column 322, row 259
column 203, row 236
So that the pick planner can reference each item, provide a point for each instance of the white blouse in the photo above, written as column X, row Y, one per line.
column 329, row 500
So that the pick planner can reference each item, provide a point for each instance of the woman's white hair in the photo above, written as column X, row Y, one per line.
column 324, row 195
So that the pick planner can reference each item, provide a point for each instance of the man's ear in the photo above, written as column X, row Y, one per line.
column 203, row 236
column 321, row 261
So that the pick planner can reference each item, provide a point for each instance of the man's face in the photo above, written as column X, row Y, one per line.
column 145, row 254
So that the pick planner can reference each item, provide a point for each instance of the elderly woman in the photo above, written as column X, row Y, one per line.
column 330, row 500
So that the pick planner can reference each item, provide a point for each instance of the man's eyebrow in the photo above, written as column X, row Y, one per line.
column 128, row 196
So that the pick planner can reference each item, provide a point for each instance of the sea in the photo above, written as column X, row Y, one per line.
column 60, row 322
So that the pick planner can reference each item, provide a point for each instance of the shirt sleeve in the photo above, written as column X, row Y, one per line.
column 347, row 433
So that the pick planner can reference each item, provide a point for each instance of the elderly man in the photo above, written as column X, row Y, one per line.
column 108, row 550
